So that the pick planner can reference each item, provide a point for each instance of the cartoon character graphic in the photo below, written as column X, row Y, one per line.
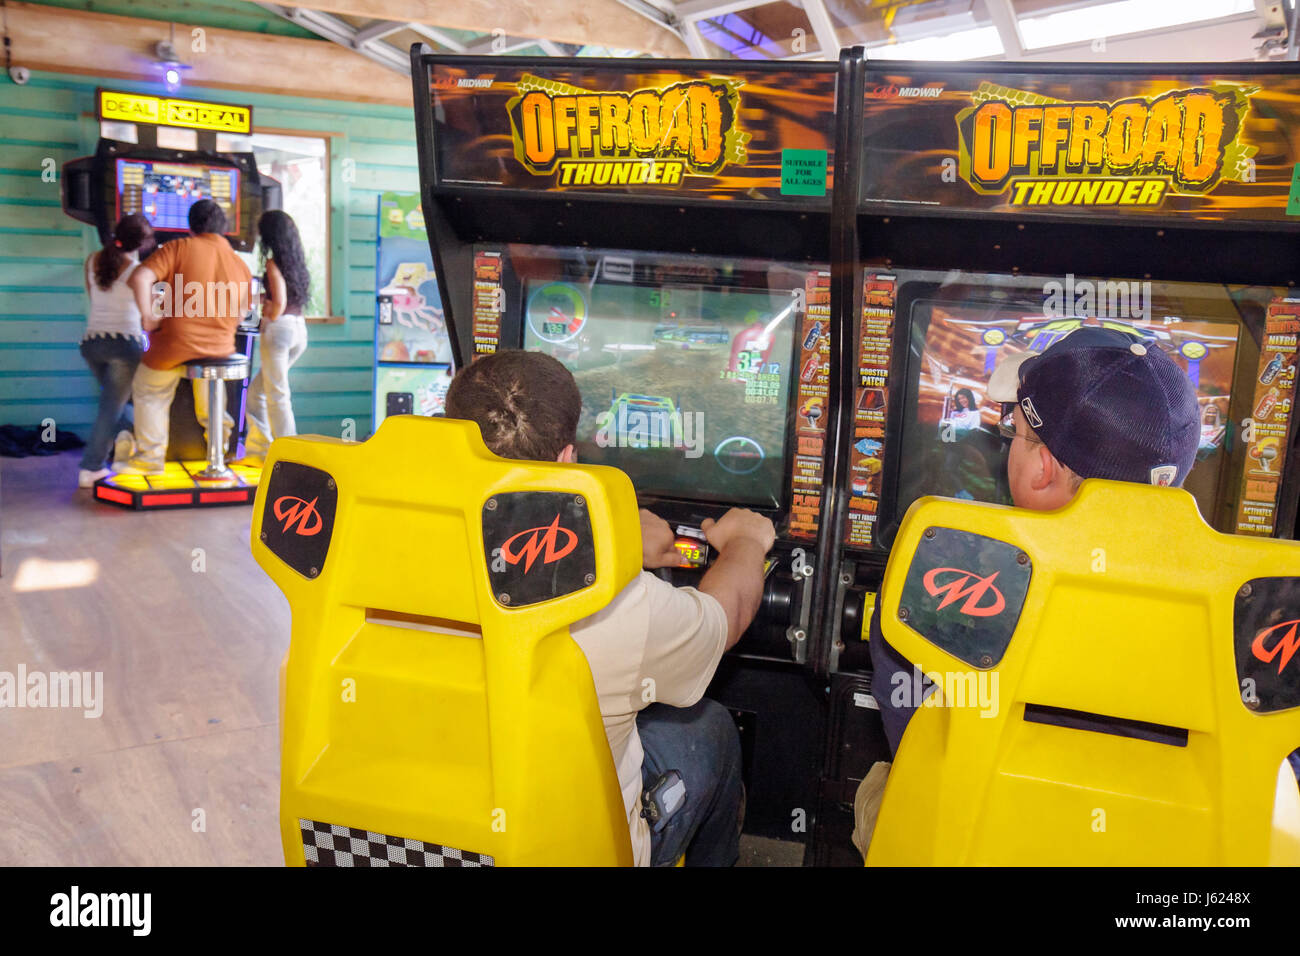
column 410, row 309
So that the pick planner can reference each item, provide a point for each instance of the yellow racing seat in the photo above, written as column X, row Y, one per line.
column 1116, row 684
column 434, row 709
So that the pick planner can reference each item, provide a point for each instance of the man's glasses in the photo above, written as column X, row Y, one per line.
column 1007, row 425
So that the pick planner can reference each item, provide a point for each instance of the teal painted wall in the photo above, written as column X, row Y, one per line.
column 226, row 14
column 42, row 299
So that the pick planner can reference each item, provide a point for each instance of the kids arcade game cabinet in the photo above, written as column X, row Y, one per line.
column 1001, row 207
column 662, row 228
column 162, row 184
column 413, row 363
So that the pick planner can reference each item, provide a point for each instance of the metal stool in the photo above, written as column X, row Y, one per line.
column 217, row 371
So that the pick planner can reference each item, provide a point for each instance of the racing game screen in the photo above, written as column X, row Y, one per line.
column 684, row 387
column 164, row 192
column 950, row 442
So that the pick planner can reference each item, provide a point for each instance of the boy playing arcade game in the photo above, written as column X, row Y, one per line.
column 653, row 651
column 1096, row 404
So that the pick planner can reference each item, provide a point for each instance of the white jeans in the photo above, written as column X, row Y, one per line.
column 152, row 391
column 270, row 407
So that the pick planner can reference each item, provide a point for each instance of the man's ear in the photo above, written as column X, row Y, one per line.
column 569, row 456
column 1046, row 470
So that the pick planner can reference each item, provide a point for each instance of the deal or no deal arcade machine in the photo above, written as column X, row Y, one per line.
column 1002, row 208
column 161, row 182
column 662, row 228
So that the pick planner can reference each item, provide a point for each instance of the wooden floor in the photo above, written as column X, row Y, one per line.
column 189, row 644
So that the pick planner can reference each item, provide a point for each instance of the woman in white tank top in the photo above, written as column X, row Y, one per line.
column 113, row 341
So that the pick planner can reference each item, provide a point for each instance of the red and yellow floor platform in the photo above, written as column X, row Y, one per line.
column 179, row 486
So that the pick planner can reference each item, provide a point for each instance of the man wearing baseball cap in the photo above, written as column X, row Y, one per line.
column 1098, row 403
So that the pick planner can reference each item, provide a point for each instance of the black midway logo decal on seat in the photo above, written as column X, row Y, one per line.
column 964, row 593
column 538, row 545
column 298, row 516
column 1266, row 643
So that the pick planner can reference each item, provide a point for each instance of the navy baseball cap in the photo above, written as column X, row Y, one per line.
column 1107, row 405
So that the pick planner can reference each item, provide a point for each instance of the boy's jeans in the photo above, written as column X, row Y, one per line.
column 153, row 390
column 113, row 360
column 702, row 744
column 270, row 408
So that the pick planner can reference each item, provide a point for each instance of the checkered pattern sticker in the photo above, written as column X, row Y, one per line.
column 325, row 844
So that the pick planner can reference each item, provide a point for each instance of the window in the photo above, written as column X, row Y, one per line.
column 300, row 164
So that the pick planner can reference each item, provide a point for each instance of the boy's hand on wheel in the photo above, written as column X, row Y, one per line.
column 739, row 523
column 657, row 543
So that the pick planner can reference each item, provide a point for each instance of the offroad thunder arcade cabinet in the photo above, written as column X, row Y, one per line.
column 1000, row 208
column 162, row 183
column 662, row 228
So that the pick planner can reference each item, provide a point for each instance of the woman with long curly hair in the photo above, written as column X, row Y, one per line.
column 114, row 340
column 284, row 334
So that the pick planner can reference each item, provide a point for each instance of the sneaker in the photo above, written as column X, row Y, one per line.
column 123, row 446
column 251, row 461
column 132, row 466
column 866, row 805
column 86, row 479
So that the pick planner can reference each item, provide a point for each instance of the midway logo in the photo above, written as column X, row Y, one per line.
column 957, row 587
column 890, row 92
column 292, row 510
column 298, row 513
column 546, row 546
column 1283, row 650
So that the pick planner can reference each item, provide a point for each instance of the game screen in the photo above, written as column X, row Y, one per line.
column 164, row 192
column 685, row 386
column 950, row 444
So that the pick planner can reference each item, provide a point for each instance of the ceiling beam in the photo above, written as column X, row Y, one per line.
column 588, row 23
column 694, row 42
column 708, row 9
column 438, row 37
column 827, row 38
column 377, row 31
column 338, row 31
column 1004, row 17
column 44, row 38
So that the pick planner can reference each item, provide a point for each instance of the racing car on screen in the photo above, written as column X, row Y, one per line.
column 641, row 421
column 693, row 337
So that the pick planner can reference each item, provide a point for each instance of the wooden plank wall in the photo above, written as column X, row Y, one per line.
column 42, row 301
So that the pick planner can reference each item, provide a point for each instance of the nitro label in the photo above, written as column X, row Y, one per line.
column 1270, row 423
column 810, row 413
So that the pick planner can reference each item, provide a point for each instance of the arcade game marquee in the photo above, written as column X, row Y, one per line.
column 998, row 209
column 162, row 183
column 663, row 229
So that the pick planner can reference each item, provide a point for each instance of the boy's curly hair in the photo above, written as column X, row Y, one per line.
column 526, row 404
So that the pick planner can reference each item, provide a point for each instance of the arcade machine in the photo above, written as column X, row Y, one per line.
column 413, row 362
column 999, row 208
column 163, row 183
column 662, row 228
